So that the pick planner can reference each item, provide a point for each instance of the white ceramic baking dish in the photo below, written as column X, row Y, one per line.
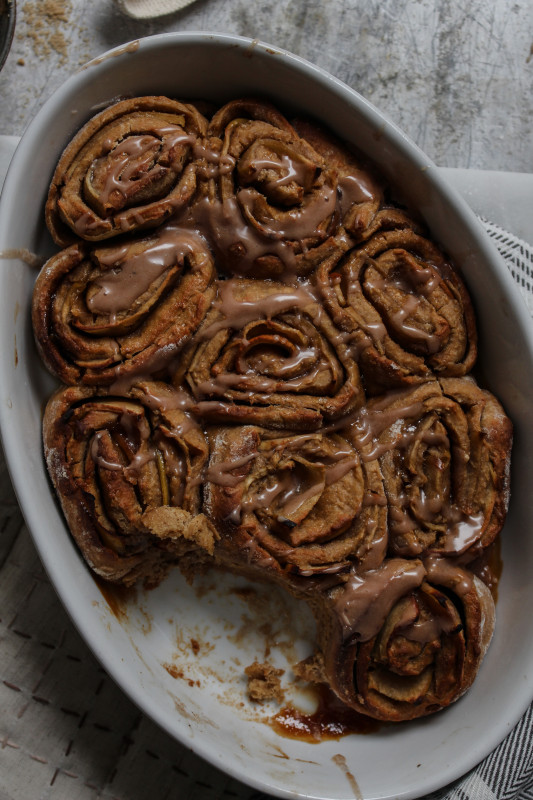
column 198, row 695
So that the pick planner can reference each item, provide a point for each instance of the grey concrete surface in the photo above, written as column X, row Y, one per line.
column 455, row 75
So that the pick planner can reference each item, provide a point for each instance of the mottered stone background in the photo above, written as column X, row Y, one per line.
column 456, row 75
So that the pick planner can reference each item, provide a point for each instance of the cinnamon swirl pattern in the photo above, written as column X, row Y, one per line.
column 269, row 369
column 127, row 472
column 129, row 168
column 405, row 640
column 269, row 354
column 298, row 505
column 405, row 311
column 103, row 313
column 290, row 200
column 443, row 452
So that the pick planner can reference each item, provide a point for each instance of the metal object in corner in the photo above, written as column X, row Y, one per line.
column 7, row 27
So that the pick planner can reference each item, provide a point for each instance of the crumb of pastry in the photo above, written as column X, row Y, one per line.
column 264, row 682
column 42, row 23
column 311, row 669
column 171, row 522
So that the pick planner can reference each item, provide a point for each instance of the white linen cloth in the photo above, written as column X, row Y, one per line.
column 146, row 9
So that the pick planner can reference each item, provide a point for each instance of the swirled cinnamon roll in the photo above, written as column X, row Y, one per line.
column 275, row 204
column 404, row 309
column 404, row 640
column 107, row 312
column 269, row 371
column 444, row 451
column 294, row 505
column 130, row 167
column 127, row 472
column 267, row 353
column 361, row 194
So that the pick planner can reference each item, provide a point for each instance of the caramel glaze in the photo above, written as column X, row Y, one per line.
column 488, row 566
column 117, row 596
column 213, row 221
column 366, row 599
column 331, row 720
column 225, row 223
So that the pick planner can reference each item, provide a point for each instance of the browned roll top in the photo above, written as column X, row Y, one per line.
column 276, row 204
column 106, row 313
column 127, row 471
column 303, row 505
column 405, row 311
column 267, row 353
column 444, row 451
column 130, row 167
column 404, row 640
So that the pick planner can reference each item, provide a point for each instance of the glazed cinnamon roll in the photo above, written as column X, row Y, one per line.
column 444, row 451
column 360, row 191
column 404, row 309
column 275, row 204
column 269, row 371
column 267, row 353
column 294, row 505
column 404, row 640
column 130, row 167
column 105, row 313
column 127, row 471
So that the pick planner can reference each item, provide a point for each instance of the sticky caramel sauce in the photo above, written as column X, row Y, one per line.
column 489, row 566
column 117, row 596
column 331, row 720
column 175, row 672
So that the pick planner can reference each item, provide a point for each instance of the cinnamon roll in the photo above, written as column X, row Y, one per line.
column 444, row 453
column 404, row 309
column 109, row 312
column 294, row 505
column 404, row 640
column 275, row 204
column 130, row 167
column 267, row 353
column 127, row 471
column 360, row 210
column 269, row 371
